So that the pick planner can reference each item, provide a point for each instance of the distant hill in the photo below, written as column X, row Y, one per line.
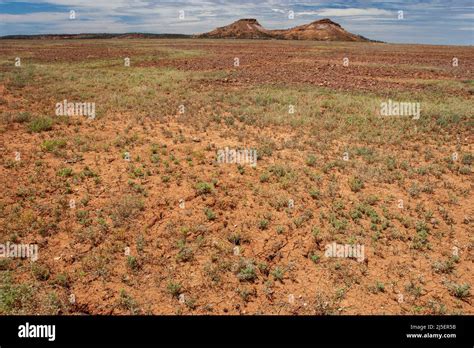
column 250, row 28
column 246, row 28
column 96, row 36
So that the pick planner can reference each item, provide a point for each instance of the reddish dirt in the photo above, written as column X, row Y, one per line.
column 93, row 255
column 371, row 66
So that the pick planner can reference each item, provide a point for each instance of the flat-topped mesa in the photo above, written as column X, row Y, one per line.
column 326, row 21
column 246, row 28
column 249, row 28
column 248, row 20
column 321, row 30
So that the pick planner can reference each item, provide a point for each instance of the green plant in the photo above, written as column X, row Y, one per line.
column 174, row 288
column 414, row 289
column 356, row 184
column 210, row 214
column 128, row 302
column 421, row 239
column 185, row 253
column 235, row 238
column 132, row 263
column 40, row 124
column 315, row 193
column 379, row 287
column 300, row 220
column 21, row 117
column 263, row 224
column 53, row 144
column 40, row 272
column 460, row 291
column 203, row 188
column 311, row 160
column 316, row 234
column 65, row 172
column 140, row 241
column 125, row 208
column 62, row 279
column 264, row 177
column 88, row 173
column 445, row 266
column 14, row 298
column 246, row 270
column 246, row 293
column 338, row 224
column 467, row 159
column 278, row 273
column 313, row 257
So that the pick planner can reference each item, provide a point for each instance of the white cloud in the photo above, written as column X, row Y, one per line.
column 307, row 13
column 34, row 18
column 348, row 12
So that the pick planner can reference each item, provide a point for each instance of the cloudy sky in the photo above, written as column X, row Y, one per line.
column 428, row 21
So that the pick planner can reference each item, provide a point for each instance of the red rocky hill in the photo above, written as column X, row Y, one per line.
column 250, row 28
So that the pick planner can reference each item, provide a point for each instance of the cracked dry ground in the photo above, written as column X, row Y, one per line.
column 237, row 246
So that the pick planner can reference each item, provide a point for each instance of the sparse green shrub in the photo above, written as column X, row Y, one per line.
column 278, row 273
column 246, row 270
column 263, row 224
column 53, row 144
column 311, row 160
column 174, row 288
column 128, row 302
column 356, row 184
column 125, row 208
column 132, row 263
column 315, row 193
column 460, row 291
column 40, row 124
column 264, row 177
column 315, row 258
column 65, row 172
column 210, row 214
column 40, row 272
column 14, row 299
column 203, row 188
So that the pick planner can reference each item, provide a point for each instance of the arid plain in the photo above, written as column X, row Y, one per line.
column 133, row 214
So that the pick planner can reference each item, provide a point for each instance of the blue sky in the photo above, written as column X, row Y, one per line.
column 428, row 21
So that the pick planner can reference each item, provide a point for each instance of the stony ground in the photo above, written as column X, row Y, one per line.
column 132, row 213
